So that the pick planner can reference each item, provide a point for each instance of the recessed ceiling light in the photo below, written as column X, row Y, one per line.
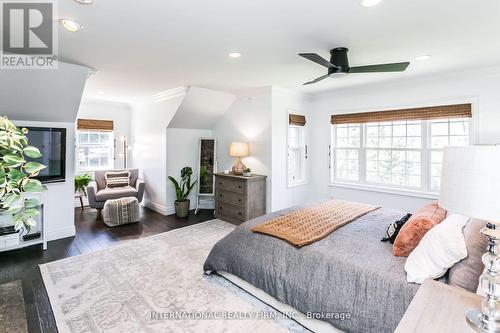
column 235, row 55
column 71, row 25
column 85, row 2
column 423, row 57
column 370, row 3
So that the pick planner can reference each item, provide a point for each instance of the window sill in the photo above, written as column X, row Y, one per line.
column 381, row 189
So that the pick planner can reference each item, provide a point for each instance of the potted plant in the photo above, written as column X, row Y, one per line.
column 81, row 183
column 247, row 172
column 17, row 175
column 182, row 190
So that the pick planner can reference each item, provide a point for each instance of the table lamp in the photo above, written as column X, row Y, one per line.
column 470, row 185
column 239, row 150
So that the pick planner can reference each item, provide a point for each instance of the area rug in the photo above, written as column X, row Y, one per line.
column 155, row 284
column 12, row 312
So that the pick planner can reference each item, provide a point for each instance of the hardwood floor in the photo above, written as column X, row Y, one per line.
column 91, row 235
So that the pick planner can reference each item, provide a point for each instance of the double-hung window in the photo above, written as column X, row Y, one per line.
column 384, row 149
column 296, row 150
column 94, row 145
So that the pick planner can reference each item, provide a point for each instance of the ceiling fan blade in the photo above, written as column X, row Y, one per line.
column 395, row 67
column 317, row 59
column 317, row 80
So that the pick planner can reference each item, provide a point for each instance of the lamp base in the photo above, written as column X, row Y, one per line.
column 474, row 319
column 238, row 167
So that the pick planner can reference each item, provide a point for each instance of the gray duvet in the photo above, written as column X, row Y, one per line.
column 349, row 271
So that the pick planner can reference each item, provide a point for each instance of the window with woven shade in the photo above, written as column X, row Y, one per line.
column 94, row 145
column 397, row 148
column 296, row 150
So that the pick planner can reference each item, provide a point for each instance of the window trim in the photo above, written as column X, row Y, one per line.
column 78, row 145
column 424, row 191
column 305, row 181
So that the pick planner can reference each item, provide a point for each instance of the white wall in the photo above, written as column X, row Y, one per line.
column 249, row 120
column 480, row 88
column 149, row 145
column 182, row 151
column 120, row 113
column 59, row 198
column 284, row 102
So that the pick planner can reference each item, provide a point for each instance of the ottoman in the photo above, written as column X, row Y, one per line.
column 121, row 211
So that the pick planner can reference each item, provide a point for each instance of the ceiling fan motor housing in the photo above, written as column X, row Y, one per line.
column 339, row 59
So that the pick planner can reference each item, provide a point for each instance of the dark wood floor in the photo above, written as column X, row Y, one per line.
column 91, row 235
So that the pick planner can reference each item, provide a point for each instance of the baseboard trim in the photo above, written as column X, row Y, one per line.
column 157, row 208
column 60, row 233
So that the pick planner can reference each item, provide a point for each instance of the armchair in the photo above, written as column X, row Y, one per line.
column 98, row 193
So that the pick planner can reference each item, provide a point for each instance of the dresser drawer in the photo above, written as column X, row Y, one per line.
column 233, row 198
column 232, row 211
column 231, row 185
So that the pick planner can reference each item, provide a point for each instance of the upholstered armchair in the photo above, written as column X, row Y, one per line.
column 98, row 193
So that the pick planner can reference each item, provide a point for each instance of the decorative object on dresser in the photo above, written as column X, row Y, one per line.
column 247, row 172
column 239, row 198
column 470, row 185
column 182, row 190
column 239, row 150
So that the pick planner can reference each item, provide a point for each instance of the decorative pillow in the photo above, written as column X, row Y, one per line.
column 393, row 229
column 117, row 179
column 440, row 248
column 412, row 232
column 466, row 273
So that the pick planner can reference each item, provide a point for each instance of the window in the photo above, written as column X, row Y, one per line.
column 403, row 154
column 94, row 150
column 297, row 155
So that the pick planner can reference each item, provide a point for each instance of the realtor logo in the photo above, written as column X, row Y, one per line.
column 28, row 35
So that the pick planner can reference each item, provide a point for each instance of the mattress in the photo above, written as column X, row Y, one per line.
column 349, row 279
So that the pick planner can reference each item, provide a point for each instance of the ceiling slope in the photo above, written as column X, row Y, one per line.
column 43, row 95
column 201, row 108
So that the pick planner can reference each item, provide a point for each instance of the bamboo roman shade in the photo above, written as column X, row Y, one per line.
column 425, row 113
column 296, row 119
column 95, row 125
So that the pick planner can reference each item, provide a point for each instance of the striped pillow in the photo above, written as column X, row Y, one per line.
column 117, row 179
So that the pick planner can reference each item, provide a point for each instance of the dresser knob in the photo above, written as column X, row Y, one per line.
column 239, row 200
column 220, row 207
column 239, row 213
column 239, row 186
column 220, row 195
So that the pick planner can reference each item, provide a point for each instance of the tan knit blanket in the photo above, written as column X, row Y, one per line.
column 308, row 225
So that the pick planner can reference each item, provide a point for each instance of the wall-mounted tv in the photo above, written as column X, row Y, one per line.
column 52, row 145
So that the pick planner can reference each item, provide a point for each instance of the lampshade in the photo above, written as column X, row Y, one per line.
column 239, row 149
column 470, row 182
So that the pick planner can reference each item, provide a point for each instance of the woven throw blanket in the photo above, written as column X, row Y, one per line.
column 308, row 225
column 117, row 179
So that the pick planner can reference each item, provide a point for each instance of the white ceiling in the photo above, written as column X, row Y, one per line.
column 144, row 47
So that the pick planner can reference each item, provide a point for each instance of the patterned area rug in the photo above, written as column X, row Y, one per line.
column 155, row 284
column 12, row 312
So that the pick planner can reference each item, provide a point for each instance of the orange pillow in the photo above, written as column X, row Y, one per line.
column 416, row 227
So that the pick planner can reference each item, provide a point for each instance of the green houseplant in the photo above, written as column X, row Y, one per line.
column 81, row 183
column 182, row 190
column 16, row 175
column 247, row 172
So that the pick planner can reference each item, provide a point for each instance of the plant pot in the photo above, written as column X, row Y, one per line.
column 182, row 208
column 247, row 174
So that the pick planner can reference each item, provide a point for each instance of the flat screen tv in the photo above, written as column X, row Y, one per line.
column 52, row 145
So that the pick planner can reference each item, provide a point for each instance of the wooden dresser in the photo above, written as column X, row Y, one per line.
column 239, row 199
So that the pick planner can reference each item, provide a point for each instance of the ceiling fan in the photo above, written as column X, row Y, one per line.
column 339, row 64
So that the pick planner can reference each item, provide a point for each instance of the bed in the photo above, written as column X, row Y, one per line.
column 348, row 272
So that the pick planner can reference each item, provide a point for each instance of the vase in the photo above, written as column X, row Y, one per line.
column 182, row 208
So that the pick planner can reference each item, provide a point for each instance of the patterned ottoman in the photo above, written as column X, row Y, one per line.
column 121, row 211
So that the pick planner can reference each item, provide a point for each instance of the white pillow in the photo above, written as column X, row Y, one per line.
column 440, row 248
